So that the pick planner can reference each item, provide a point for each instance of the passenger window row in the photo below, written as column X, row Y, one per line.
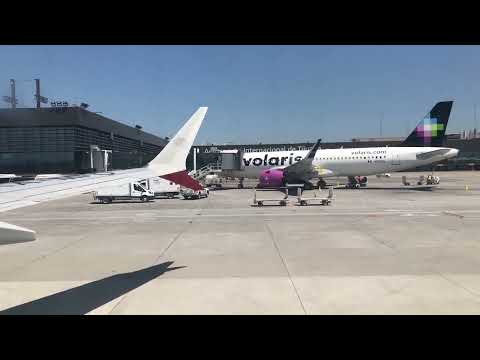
column 351, row 158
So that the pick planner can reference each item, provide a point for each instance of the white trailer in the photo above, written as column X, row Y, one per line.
column 131, row 191
column 324, row 200
column 281, row 201
column 161, row 187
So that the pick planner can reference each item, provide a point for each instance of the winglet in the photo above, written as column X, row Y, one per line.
column 313, row 151
column 173, row 156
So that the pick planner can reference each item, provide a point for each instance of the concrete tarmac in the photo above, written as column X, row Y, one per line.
column 379, row 250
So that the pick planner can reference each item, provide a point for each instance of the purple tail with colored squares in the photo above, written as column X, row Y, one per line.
column 431, row 130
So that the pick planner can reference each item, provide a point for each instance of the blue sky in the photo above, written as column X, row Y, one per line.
column 255, row 93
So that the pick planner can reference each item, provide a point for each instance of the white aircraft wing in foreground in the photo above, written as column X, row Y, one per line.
column 168, row 164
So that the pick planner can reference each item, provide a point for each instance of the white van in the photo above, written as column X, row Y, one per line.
column 131, row 191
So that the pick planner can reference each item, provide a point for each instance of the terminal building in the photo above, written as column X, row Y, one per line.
column 70, row 140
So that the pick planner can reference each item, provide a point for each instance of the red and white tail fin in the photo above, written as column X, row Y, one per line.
column 170, row 163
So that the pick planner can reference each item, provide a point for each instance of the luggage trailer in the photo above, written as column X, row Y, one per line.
column 323, row 200
column 281, row 201
column 302, row 201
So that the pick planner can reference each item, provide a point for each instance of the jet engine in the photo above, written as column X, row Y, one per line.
column 271, row 178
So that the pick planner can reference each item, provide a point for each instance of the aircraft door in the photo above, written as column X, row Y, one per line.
column 239, row 160
column 232, row 160
column 228, row 161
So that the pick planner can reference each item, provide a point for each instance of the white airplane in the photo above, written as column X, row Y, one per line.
column 422, row 147
column 168, row 164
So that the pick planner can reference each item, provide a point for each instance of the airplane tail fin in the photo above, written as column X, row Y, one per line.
column 430, row 131
column 170, row 162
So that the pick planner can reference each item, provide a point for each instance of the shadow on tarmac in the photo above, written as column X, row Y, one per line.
column 85, row 298
column 401, row 188
column 121, row 202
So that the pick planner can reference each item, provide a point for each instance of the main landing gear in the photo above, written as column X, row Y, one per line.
column 356, row 182
column 321, row 184
column 307, row 185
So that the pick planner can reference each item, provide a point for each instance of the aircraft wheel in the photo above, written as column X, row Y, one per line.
column 321, row 184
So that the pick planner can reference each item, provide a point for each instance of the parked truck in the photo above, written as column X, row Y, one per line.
column 161, row 187
column 131, row 191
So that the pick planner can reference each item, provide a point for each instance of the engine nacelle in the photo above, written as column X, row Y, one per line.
column 271, row 178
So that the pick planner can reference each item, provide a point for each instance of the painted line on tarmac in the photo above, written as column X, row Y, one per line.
column 286, row 214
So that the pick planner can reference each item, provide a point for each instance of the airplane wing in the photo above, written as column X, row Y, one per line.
column 303, row 169
column 169, row 164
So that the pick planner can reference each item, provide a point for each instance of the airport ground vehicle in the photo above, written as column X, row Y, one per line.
column 130, row 191
column 213, row 180
column 189, row 194
column 161, row 187
column 423, row 182
column 429, row 180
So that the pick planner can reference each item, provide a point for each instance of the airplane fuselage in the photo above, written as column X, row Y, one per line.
column 344, row 162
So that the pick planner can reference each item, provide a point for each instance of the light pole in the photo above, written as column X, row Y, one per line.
column 12, row 94
column 195, row 151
